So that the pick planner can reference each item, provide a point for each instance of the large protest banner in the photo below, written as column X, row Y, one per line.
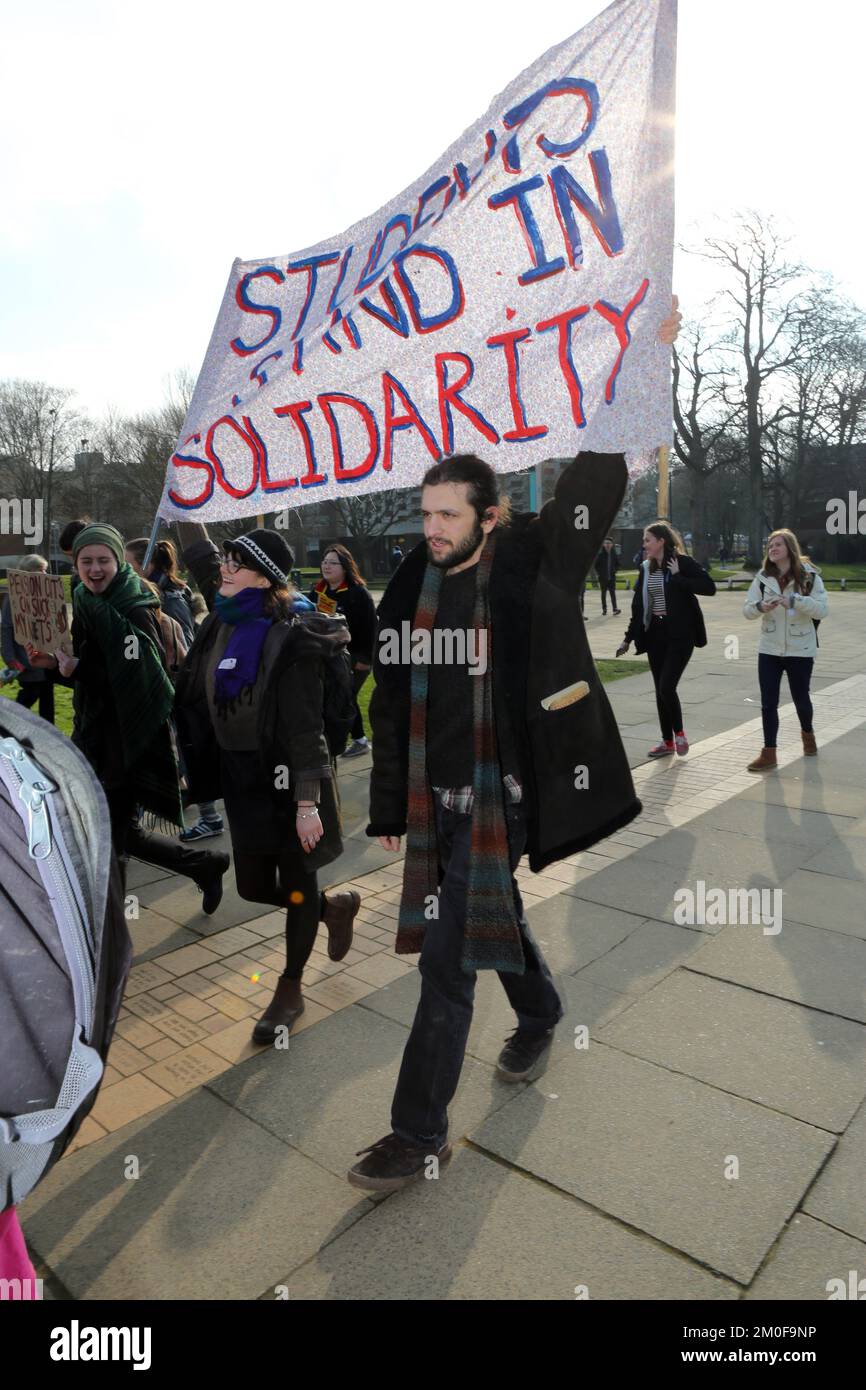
column 38, row 608
column 507, row 303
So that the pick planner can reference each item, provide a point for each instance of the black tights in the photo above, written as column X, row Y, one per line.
column 281, row 880
column 667, row 664
column 128, row 838
column 358, row 679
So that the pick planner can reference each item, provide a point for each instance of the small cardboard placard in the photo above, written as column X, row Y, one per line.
column 39, row 613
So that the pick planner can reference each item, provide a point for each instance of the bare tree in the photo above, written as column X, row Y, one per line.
column 366, row 518
column 765, row 309
column 38, row 424
column 703, row 419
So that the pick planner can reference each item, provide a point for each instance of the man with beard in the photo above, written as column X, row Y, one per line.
column 478, row 763
column 471, row 762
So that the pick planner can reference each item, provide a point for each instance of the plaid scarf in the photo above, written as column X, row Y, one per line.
column 491, row 938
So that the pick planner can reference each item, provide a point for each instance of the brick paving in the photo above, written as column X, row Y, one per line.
column 187, row 1014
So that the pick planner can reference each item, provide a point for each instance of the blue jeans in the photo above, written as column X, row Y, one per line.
column 433, row 1057
column 798, row 669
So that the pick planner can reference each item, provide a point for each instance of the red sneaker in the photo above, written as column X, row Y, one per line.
column 682, row 744
column 661, row 750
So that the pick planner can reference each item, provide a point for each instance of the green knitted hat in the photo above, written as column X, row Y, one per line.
column 99, row 533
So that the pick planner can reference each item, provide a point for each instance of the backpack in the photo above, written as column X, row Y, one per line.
column 173, row 644
column 65, row 950
column 339, row 707
column 816, row 621
column 176, row 603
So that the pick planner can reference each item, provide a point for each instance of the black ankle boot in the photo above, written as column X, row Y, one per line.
column 286, row 1006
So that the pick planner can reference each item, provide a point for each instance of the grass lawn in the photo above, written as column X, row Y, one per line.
column 62, row 704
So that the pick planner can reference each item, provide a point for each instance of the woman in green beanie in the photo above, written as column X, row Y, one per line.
column 122, row 702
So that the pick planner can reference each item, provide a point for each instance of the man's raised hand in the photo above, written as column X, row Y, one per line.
column 670, row 327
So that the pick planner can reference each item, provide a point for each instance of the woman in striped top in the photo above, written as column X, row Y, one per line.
column 667, row 624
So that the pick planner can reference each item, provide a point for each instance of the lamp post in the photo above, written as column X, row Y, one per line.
column 85, row 461
column 53, row 413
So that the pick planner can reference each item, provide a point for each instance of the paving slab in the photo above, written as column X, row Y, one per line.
column 178, row 899
column 834, row 800
column 464, row 1237
column 329, row 1093
column 771, row 822
column 729, row 854
column 803, row 1063
column 220, row 1209
column 647, row 887
column 153, row 934
column 844, row 858
column 138, row 874
column 822, row 969
column 644, row 958
column 570, row 933
column 807, row 1258
column 651, row 1147
column 819, row 901
column 586, row 1005
column 360, row 856
column 839, row 1195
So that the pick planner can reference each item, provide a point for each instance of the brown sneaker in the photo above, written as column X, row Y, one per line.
column 392, row 1163
column 765, row 760
column 341, row 909
column 810, row 747
column 284, row 1009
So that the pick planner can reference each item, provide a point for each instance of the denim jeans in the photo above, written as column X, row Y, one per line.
column 799, row 672
column 433, row 1057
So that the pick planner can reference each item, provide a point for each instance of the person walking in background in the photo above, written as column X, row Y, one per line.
column 34, row 685
column 396, row 554
column 342, row 590
column 667, row 624
column 177, row 604
column 606, row 566
column 65, row 542
column 788, row 594
column 250, row 701
column 162, row 570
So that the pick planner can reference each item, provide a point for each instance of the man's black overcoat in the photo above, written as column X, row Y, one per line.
column 539, row 646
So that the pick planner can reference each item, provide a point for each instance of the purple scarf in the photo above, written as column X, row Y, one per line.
column 245, row 613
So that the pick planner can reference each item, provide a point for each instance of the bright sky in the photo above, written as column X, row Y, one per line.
column 143, row 147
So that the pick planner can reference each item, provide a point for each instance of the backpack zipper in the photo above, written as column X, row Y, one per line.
column 46, row 845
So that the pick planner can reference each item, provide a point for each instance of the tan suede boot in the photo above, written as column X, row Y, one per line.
column 765, row 761
column 810, row 747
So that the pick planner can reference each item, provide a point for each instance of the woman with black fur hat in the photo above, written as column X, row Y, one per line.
column 250, row 704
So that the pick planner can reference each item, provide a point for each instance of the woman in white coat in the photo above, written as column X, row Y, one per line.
column 789, row 596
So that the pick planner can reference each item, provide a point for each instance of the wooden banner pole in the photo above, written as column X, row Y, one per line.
column 664, row 493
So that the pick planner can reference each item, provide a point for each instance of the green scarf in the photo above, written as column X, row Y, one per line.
column 142, row 691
